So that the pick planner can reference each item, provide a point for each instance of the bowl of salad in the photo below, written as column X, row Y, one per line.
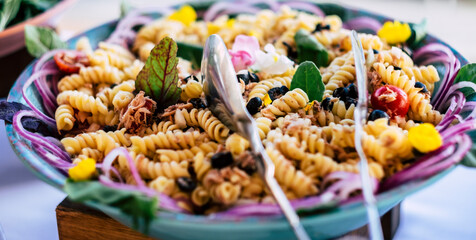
column 119, row 120
column 15, row 14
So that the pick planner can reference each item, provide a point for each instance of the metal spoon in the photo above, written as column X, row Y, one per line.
column 225, row 101
column 360, row 114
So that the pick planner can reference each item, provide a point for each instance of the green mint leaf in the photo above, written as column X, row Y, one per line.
column 418, row 33
column 141, row 208
column 39, row 40
column 9, row 11
column 309, row 49
column 159, row 76
column 308, row 78
column 190, row 52
column 467, row 73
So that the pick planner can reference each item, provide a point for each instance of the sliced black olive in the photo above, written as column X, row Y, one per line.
column 243, row 76
column 197, row 103
column 375, row 51
column 275, row 93
column 253, row 105
column 109, row 128
column 397, row 68
column 422, row 86
column 284, row 89
column 253, row 77
column 113, row 85
column 319, row 27
column 353, row 91
column 193, row 77
column 327, row 104
column 341, row 93
column 292, row 54
column 186, row 184
column 349, row 102
column 221, row 159
column 376, row 114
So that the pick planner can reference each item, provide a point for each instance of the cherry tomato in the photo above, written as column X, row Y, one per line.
column 71, row 61
column 390, row 99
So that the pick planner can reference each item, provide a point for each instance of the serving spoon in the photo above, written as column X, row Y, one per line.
column 360, row 113
column 224, row 99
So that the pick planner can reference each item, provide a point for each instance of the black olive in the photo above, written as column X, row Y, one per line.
column 253, row 105
column 186, row 184
column 284, row 89
column 349, row 102
column 319, row 27
column 221, row 159
column 397, row 68
column 136, row 91
column 253, row 77
column 375, row 51
column 275, row 93
column 197, row 103
column 109, row 128
column 192, row 172
column 243, row 76
column 292, row 54
column 352, row 91
column 341, row 93
column 422, row 86
column 327, row 104
column 190, row 77
column 376, row 114
column 416, row 121
column 113, row 85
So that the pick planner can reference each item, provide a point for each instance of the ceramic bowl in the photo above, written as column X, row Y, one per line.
column 183, row 226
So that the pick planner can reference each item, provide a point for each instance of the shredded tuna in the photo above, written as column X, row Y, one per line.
column 248, row 89
column 375, row 81
column 213, row 177
column 170, row 111
column 136, row 115
column 246, row 161
column 235, row 176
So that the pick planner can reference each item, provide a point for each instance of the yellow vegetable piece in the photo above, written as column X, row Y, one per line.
column 255, row 34
column 185, row 15
column 309, row 106
column 212, row 28
column 425, row 138
column 84, row 170
column 395, row 32
column 267, row 100
column 230, row 23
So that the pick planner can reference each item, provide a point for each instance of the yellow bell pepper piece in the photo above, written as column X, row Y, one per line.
column 185, row 15
column 425, row 138
column 395, row 32
column 84, row 170
column 267, row 100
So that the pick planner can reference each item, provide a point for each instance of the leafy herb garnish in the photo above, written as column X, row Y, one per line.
column 467, row 74
column 39, row 40
column 308, row 78
column 8, row 110
column 159, row 76
column 135, row 204
column 418, row 33
column 309, row 49
column 9, row 11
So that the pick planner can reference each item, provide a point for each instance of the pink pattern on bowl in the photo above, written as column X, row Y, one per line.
column 13, row 39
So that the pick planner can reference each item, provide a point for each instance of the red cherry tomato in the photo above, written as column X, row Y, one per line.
column 390, row 99
column 71, row 61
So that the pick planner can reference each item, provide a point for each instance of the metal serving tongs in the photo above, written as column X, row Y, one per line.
column 360, row 115
column 225, row 101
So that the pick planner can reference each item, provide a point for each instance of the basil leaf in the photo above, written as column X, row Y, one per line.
column 9, row 11
column 418, row 33
column 308, row 78
column 309, row 49
column 39, row 40
column 467, row 73
column 159, row 76
column 141, row 208
column 190, row 52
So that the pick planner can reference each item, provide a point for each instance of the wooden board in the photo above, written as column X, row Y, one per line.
column 79, row 222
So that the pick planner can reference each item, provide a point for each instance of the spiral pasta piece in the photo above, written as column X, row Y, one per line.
column 236, row 144
column 64, row 116
column 167, row 155
column 110, row 118
column 151, row 170
column 290, row 102
column 427, row 75
column 262, row 88
column 205, row 119
column 170, row 140
column 192, row 89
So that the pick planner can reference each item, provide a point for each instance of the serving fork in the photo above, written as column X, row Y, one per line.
column 224, row 99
